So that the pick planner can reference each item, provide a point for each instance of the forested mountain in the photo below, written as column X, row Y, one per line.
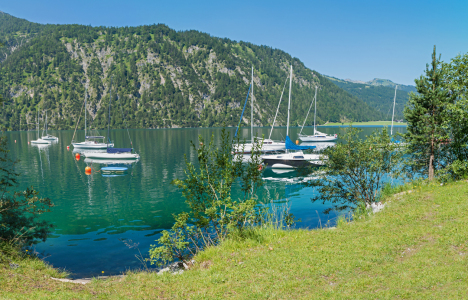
column 379, row 94
column 160, row 78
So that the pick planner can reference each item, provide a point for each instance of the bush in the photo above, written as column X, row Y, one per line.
column 357, row 169
column 19, row 209
column 213, row 214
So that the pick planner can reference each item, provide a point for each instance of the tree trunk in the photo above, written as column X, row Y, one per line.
column 431, row 167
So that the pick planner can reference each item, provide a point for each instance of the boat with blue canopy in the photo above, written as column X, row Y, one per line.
column 296, row 159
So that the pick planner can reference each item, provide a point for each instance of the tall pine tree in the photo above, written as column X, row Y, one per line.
column 425, row 113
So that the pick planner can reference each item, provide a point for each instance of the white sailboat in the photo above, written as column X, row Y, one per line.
column 112, row 153
column 268, row 144
column 400, row 143
column 91, row 142
column 39, row 140
column 317, row 136
column 47, row 136
column 296, row 159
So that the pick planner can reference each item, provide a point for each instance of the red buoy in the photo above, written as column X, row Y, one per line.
column 260, row 167
column 77, row 156
column 68, row 147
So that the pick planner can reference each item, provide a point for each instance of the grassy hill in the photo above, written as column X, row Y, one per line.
column 415, row 248
column 161, row 78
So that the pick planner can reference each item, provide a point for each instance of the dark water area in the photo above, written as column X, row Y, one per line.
column 94, row 214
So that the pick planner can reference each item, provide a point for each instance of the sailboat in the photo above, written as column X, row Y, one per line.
column 92, row 142
column 268, row 145
column 39, row 140
column 393, row 115
column 295, row 159
column 112, row 153
column 317, row 136
column 48, row 137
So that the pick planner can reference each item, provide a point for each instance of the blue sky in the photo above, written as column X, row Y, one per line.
column 346, row 39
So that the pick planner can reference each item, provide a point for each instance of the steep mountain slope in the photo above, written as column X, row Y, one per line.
column 378, row 96
column 160, row 78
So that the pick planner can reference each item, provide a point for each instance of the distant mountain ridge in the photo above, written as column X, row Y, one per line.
column 379, row 82
column 378, row 93
column 161, row 78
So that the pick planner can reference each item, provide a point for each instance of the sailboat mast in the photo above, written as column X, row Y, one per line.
column 251, row 111
column 393, row 114
column 86, row 95
column 46, row 122
column 108, row 122
column 289, row 102
column 315, row 110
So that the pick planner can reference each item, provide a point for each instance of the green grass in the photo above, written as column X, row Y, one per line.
column 415, row 248
column 384, row 123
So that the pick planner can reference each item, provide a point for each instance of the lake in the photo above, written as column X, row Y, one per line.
column 94, row 214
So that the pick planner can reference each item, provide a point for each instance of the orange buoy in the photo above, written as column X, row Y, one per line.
column 77, row 156
column 68, row 147
column 87, row 169
column 87, row 172
column 15, row 141
column 297, row 142
column 260, row 167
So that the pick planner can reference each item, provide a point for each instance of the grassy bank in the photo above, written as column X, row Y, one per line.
column 415, row 248
column 374, row 123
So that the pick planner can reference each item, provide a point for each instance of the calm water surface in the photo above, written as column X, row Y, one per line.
column 93, row 214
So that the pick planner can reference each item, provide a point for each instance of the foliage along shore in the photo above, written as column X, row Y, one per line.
column 414, row 248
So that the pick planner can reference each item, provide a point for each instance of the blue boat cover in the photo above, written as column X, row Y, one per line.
column 114, row 169
column 291, row 146
column 395, row 141
column 95, row 137
column 118, row 150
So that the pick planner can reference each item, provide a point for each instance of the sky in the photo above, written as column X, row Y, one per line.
column 360, row 40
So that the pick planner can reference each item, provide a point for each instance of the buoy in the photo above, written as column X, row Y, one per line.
column 77, row 156
column 68, row 147
column 87, row 169
column 297, row 142
column 15, row 141
column 28, row 143
column 260, row 167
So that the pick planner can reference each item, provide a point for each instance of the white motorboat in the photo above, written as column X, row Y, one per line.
column 109, row 161
column 296, row 159
column 267, row 145
column 317, row 136
column 292, row 160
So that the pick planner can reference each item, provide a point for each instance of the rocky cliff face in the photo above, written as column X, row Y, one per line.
column 160, row 78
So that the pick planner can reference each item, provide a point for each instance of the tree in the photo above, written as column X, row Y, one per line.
column 213, row 213
column 425, row 113
column 356, row 169
column 19, row 209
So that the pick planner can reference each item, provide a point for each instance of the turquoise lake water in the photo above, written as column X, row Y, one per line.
column 94, row 214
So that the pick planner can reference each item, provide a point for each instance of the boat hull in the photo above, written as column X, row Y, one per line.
column 312, row 138
column 287, row 161
column 40, row 141
column 92, row 145
column 111, row 156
